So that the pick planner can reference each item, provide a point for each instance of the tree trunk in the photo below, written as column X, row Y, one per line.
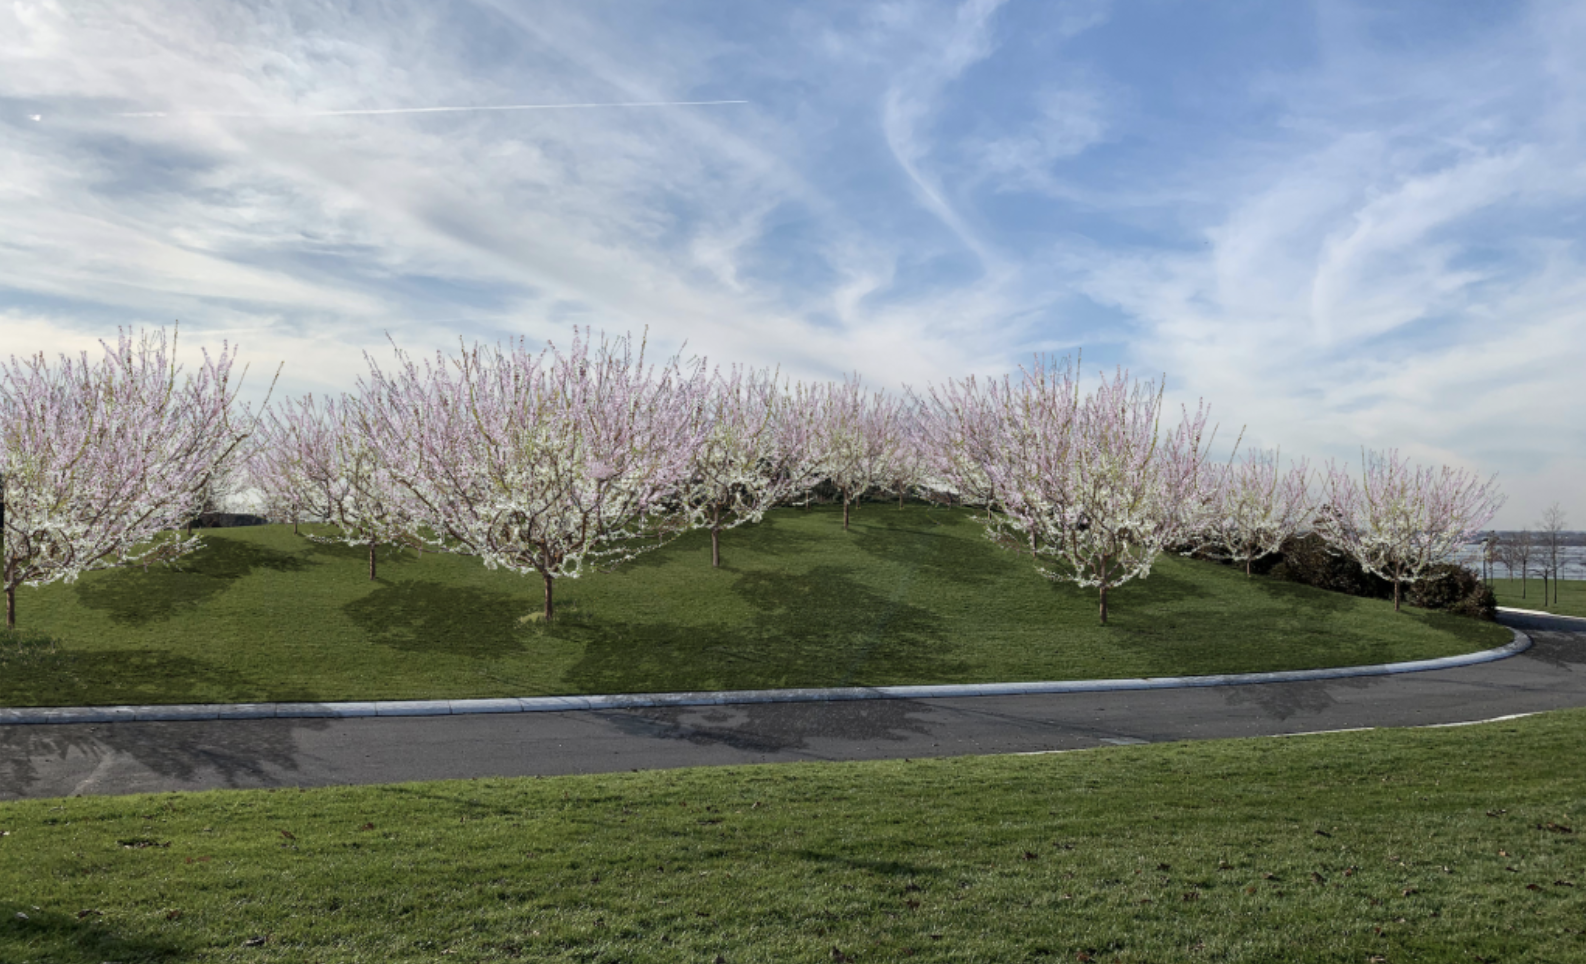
column 1104, row 604
column 715, row 548
column 1395, row 595
column 371, row 560
column 549, row 583
column 900, row 497
column 1247, row 568
column 11, row 607
column 845, row 512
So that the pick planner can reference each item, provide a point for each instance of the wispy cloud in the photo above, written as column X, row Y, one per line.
column 1343, row 224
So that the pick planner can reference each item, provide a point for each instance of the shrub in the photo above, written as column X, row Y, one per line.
column 1447, row 587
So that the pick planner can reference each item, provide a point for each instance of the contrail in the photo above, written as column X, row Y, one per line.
column 380, row 112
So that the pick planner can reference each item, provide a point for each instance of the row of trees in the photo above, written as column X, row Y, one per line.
column 555, row 461
column 1541, row 552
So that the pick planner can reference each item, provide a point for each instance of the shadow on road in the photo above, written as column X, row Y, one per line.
column 776, row 727
column 242, row 755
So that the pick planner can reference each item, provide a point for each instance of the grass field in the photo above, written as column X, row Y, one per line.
column 910, row 596
column 1571, row 595
column 1393, row 845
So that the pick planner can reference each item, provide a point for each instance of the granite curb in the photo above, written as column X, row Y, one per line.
column 559, row 704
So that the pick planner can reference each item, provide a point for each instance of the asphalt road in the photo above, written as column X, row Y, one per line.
column 114, row 758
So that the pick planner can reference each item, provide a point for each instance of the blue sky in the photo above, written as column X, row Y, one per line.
column 1342, row 224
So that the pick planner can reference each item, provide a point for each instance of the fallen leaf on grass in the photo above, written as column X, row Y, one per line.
column 838, row 955
column 1503, row 853
column 1323, row 833
column 255, row 942
column 201, row 860
column 173, row 915
column 1163, row 867
column 1028, row 855
column 1192, row 895
column 1554, row 827
column 1269, row 876
column 367, row 826
column 1318, row 878
column 912, row 904
column 88, row 911
column 1495, row 813
column 1563, row 883
column 1533, row 886
column 1376, row 959
column 1350, row 871
column 288, row 835
column 1410, row 890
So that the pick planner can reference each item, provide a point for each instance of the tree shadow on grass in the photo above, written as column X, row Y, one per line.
column 61, row 938
column 973, row 561
column 421, row 616
column 131, row 676
column 770, row 536
column 137, row 597
column 384, row 555
column 1301, row 598
column 818, row 628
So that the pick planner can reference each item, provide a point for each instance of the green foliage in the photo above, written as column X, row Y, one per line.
column 1310, row 561
column 915, row 595
column 1396, row 845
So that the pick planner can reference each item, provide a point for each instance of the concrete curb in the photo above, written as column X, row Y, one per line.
column 1540, row 613
column 558, row 704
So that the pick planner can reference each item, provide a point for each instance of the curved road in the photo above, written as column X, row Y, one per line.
column 111, row 758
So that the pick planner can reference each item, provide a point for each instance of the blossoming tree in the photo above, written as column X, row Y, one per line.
column 753, row 454
column 547, row 463
column 315, row 458
column 101, row 460
column 1090, row 485
column 856, row 437
column 1397, row 520
column 1256, row 507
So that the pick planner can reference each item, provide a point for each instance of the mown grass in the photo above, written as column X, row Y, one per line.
column 1404, row 845
column 910, row 596
column 1571, row 595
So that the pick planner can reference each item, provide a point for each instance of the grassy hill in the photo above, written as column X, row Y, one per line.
column 906, row 596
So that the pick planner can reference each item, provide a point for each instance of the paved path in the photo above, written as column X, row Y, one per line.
column 131, row 757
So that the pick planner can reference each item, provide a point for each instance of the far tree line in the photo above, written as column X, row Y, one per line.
column 559, row 461
column 1540, row 552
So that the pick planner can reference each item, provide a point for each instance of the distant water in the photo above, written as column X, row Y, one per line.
column 1572, row 562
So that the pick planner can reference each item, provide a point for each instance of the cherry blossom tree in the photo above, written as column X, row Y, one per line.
column 908, row 469
column 316, row 458
column 101, row 460
column 551, row 462
column 1090, row 485
column 1256, row 506
column 1397, row 520
column 857, row 438
column 754, row 453
column 963, row 426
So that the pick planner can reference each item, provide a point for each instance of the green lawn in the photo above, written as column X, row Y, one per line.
column 1571, row 595
column 1399, row 845
column 906, row 596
